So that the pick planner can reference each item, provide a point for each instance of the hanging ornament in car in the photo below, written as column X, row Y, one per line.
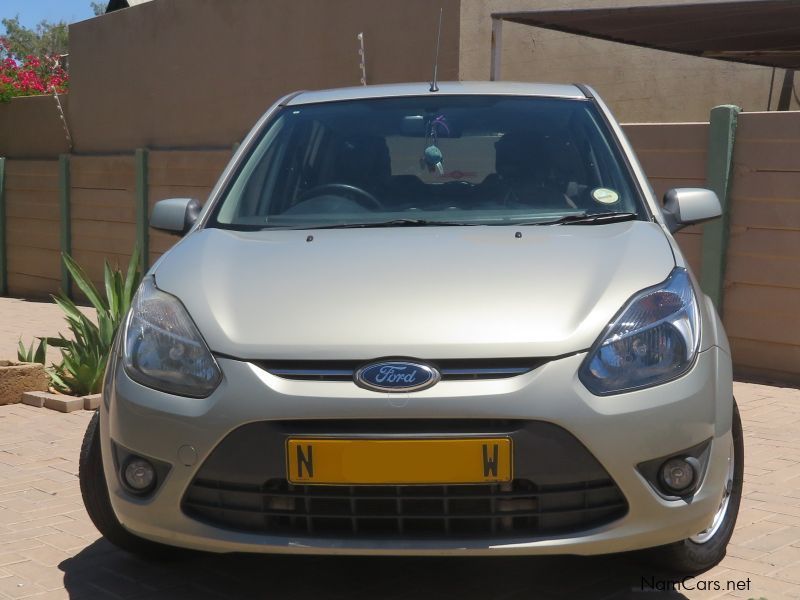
column 432, row 158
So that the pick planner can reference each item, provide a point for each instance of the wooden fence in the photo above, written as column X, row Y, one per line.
column 33, row 226
column 101, row 206
column 674, row 155
column 102, row 210
column 180, row 175
column 762, row 278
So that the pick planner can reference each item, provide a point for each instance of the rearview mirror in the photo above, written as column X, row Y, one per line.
column 176, row 215
column 687, row 206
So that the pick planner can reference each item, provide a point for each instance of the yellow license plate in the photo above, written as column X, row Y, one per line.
column 336, row 461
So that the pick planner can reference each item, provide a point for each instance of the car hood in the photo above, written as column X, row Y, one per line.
column 424, row 292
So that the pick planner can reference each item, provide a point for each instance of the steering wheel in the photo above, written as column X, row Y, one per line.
column 361, row 196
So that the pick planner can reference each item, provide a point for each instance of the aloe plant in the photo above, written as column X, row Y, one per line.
column 32, row 354
column 85, row 354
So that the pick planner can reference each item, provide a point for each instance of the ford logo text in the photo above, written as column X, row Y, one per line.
column 396, row 376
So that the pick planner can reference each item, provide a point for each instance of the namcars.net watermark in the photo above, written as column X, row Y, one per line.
column 655, row 584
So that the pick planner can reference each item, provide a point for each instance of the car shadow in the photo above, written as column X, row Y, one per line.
column 102, row 571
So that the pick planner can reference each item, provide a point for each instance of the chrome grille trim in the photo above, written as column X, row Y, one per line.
column 450, row 369
column 291, row 373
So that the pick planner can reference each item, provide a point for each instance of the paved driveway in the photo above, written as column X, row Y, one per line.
column 28, row 320
column 49, row 548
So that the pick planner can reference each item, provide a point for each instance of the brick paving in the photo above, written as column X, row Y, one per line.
column 27, row 320
column 49, row 548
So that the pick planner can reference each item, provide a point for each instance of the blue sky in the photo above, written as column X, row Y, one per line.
column 32, row 12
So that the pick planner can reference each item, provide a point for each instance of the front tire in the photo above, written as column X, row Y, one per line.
column 94, row 491
column 707, row 548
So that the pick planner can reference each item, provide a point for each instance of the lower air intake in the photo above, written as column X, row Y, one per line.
column 516, row 509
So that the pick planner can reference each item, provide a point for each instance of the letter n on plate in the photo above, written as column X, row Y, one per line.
column 305, row 461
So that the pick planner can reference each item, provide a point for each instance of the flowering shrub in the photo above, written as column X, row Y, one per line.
column 29, row 76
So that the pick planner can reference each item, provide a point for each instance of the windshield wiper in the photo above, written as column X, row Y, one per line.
column 577, row 219
column 587, row 219
column 391, row 223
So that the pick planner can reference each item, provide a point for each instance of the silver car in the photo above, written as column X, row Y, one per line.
column 413, row 322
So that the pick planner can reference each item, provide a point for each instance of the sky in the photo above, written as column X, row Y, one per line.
column 32, row 12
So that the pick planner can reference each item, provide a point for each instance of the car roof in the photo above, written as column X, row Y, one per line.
column 500, row 88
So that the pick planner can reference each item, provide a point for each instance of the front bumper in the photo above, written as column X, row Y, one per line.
column 620, row 432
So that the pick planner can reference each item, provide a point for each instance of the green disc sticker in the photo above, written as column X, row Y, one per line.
column 605, row 196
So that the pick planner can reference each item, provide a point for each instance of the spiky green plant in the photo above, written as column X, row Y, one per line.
column 85, row 355
column 32, row 354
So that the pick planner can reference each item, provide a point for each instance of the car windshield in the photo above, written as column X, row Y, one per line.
column 431, row 160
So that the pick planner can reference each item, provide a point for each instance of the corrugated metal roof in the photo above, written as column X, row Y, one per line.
column 759, row 32
column 120, row 4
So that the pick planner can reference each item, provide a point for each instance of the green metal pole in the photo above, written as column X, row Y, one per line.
column 142, row 218
column 721, row 139
column 3, row 260
column 66, row 220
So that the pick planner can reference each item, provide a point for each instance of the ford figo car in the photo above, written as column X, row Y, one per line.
column 423, row 323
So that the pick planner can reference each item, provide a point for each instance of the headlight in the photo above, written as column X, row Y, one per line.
column 653, row 339
column 163, row 348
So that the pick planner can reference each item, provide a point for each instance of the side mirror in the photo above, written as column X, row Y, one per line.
column 176, row 215
column 687, row 206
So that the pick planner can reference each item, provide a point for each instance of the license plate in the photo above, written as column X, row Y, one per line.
column 336, row 461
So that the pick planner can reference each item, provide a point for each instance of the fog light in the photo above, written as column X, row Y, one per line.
column 678, row 474
column 139, row 474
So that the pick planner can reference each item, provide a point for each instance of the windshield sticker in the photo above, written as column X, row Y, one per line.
column 605, row 196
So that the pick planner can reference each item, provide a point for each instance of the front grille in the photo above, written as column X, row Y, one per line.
column 450, row 369
column 520, row 508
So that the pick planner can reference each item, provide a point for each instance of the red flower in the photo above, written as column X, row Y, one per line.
column 33, row 75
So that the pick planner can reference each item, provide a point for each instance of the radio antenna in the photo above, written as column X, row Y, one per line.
column 362, row 55
column 434, row 83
